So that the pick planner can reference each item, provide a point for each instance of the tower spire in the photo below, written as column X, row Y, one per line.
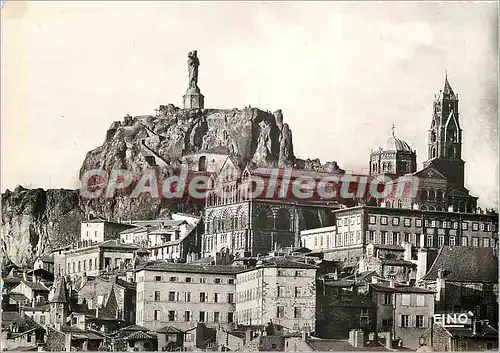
column 392, row 128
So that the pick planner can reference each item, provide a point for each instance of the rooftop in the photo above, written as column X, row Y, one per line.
column 400, row 289
column 190, row 268
column 465, row 264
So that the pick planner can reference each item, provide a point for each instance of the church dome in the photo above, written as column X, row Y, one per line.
column 395, row 144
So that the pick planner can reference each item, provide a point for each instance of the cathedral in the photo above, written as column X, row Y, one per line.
column 441, row 181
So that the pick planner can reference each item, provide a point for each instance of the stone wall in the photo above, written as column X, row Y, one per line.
column 56, row 340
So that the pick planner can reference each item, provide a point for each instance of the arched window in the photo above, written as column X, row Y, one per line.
column 433, row 136
column 433, row 152
column 400, row 204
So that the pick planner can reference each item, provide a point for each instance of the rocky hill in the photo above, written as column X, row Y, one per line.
column 37, row 221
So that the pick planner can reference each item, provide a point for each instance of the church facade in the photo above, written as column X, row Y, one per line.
column 441, row 181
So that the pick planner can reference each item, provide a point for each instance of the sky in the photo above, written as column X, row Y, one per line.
column 342, row 73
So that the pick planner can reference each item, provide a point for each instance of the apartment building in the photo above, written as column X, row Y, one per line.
column 181, row 295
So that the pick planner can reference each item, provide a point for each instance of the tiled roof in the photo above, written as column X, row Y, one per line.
column 169, row 329
column 465, row 264
column 38, row 286
column 396, row 262
column 44, row 307
column 400, row 289
column 18, row 297
column 47, row 258
column 388, row 247
column 341, row 345
column 286, row 263
column 190, row 268
column 82, row 334
column 138, row 335
column 486, row 331
column 24, row 322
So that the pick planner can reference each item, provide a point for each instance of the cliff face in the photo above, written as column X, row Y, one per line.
column 37, row 221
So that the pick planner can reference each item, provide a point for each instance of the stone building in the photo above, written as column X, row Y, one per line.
column 246, row 224
column 98, row 230
column 396, row 158
column 169, row 240
column 406, row 311
column 441, row 184
column 45, row 262
column 342, row 308
column 476, row 336
column 181, row 295
column 465, row 279
column 20, row 332
column 356, row 227
column 91, row 260
column 277, row 290
column 95, row 293
column 389, row 261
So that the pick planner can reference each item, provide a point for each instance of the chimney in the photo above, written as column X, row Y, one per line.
column 421, row 263
column 476, row 327
column 440, row 286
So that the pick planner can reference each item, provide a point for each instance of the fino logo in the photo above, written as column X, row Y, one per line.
column 452, row 320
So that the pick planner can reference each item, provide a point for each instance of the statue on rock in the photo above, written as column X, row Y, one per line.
column 193, row 63
column 193, row 99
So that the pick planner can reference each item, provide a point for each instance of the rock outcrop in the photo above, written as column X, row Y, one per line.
column 36, row 221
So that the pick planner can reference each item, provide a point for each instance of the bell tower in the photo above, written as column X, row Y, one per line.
column 445, row 137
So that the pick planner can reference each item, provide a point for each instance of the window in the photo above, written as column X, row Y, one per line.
column 298, row 273
column 230, row 297
column 387, row 299
column 464, row 241
column 281, row 291
column 297, row 292
column 217, row 281
column 372, row 220
column 188, row 279
column 395, row 221
column 358, row 237
column 426, row 223
column 202, row 316
column 486, row 243
column 407, row 222
column 28, row 337
column 429, row 241
column 173, row 279
column 475, row 242
column 475, row 226
column 158, row 278
column 452, row 241
column 440, row 241
column 171, row 296
column 358, row 219
column 352, row 221
column 297, row 313
column 420, row 300
column 187, row 296
column 488, row 227
column 280, row 311
column 281, row 273
column 345, row 221
column 157, row 296
column 187, row 316
column 42, row 320
column 230, row 317
column 216, row 316
column 216, row 297
column 420, row 321
column 482, row 226
column 171, row 315
column 455, row 225
column 418, row 223
column 465, row 225
column 433, row 224
column 156, row 314
column 203, row 280
column 230, row 281
column 383, row 220
column 405, row 299
column 203, row 298
column 405, row 321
